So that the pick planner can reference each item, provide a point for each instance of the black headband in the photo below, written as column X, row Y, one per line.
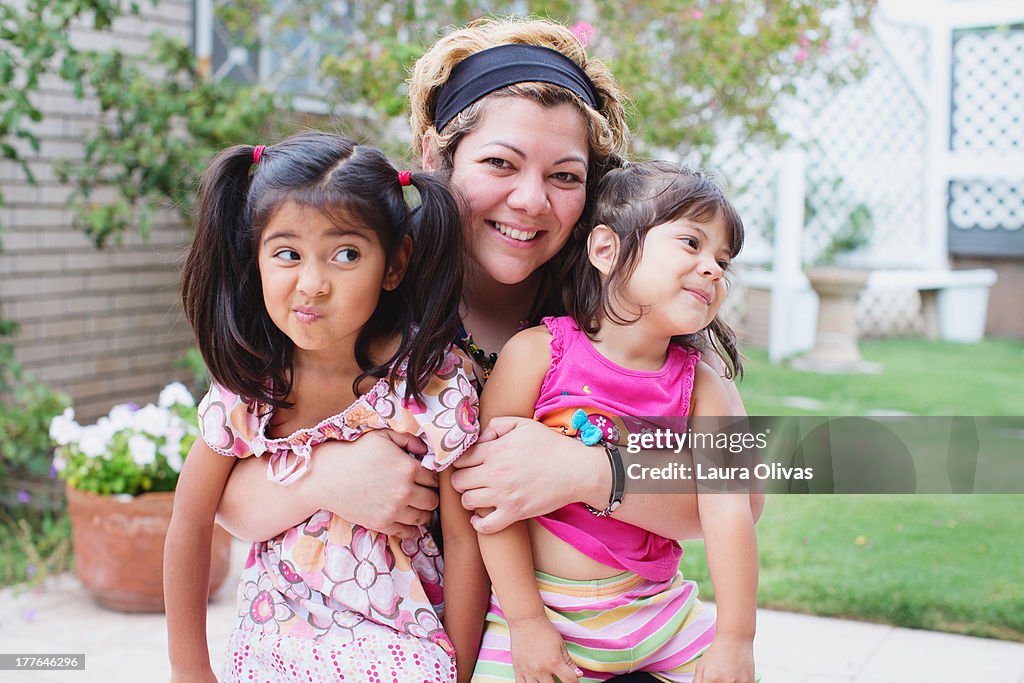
column 494, row 68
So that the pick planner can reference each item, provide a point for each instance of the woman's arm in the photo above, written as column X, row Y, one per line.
column 731, row 548
column 371, row 482
column 521, row 469
column 187, row 561
column 466, row 586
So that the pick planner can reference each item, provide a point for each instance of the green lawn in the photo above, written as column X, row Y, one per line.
column 947, row 563
column 918, row 376
column 941, row 562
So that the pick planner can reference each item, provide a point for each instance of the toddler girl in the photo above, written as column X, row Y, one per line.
column 578, row 593
column 322, row 314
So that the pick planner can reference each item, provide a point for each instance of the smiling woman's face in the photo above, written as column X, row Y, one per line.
column 523, row 173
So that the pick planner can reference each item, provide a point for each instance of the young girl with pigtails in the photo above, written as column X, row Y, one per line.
column 323, row 314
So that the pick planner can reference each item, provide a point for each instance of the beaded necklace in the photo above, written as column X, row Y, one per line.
column 485, row 359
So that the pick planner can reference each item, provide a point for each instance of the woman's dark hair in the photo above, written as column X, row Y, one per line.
column 630, row 201
column 221, row 289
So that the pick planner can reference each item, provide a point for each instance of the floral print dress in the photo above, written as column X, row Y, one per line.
column 329, row 600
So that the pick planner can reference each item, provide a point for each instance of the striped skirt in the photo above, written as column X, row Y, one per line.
column 612, row 626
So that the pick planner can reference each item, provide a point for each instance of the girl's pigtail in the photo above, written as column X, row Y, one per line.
column 434, row 278
column 216, row 286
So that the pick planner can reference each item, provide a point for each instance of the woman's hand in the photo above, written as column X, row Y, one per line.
column 729, row 660
column 538, row 653
column 374, row 483
column 522, row 469
column 371, row 481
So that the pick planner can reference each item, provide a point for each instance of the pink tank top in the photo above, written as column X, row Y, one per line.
column 581, row 378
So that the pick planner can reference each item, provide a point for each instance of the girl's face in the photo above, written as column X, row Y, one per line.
column 321, row 280
column 523, row 173
column 679, row 278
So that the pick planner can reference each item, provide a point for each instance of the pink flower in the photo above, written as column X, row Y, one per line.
column 804, row 41
column 460, row 418
column 361, row 573
column 855, row 43
column 262, row 607
column 801, row 55
column 697, row 14
column 584, row 32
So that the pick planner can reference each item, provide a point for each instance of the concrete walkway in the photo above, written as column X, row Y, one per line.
column 790, row 648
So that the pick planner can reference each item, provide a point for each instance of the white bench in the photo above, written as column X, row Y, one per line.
column 954, row 303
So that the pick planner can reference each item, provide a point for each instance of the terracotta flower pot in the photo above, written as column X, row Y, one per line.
column 119, row 548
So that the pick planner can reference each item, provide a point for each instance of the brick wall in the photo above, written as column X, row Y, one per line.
column 103, row 325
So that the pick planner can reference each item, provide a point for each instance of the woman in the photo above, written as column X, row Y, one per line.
column 524, row 134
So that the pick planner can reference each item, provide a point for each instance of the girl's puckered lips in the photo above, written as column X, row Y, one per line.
column 308, row 314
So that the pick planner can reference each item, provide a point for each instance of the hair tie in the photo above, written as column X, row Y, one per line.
column 257, row 153
column 405, row 178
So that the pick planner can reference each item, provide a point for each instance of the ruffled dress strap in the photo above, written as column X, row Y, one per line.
column 563, row 329
column 446, row 416
column 687, row 359
column 229, row 424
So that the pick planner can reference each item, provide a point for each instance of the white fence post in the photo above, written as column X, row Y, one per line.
column 791, row 326
column 940, row 35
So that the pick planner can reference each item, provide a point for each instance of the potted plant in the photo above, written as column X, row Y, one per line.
column 120, row 475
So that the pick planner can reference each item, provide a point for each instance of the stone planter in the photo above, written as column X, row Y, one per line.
column 835, row 340
column 119, row 548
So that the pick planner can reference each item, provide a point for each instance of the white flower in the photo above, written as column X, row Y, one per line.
column 107, row 427
column 175, row 461
column 64, row 429
column 151, row 420
column 60, row 463
column 121, row 415
column 93, row 442
column 172, row 440
column 175, row 393
column 143, row 450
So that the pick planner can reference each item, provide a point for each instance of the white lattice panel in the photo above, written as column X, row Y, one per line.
column 986, row 205
column 988, row 90
column 869, row 149
column 750, row 182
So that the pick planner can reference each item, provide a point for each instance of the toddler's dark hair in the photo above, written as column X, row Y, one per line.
column 630, row 201
column 221, row 290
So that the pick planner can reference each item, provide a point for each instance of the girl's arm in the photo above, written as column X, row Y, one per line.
column 187, row 561
column 538, row 652
column 370, row 482
column 466, row 586
column 731, row 548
